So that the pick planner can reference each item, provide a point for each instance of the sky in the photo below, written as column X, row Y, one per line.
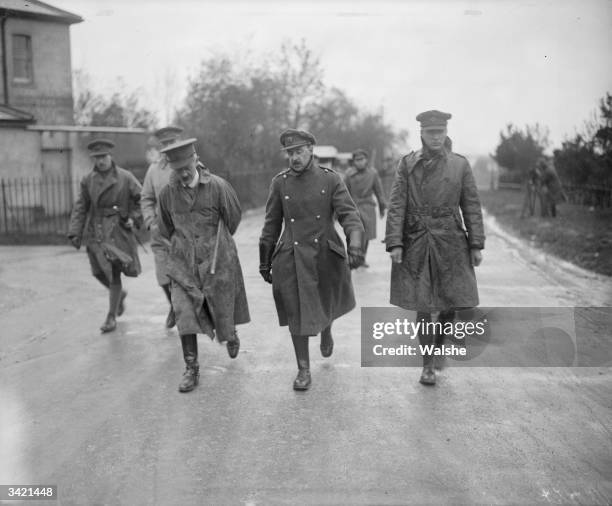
column 488, row 63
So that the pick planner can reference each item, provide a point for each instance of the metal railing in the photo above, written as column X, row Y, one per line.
column 37, row 210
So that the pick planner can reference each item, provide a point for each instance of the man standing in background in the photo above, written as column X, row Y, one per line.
column 157, row 176
column 363, row 183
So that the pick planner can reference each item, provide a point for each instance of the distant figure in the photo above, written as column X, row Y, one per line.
column 433, row 256
column 386, row 174
column 551, row 190
column 363, row 184
column 103, row 218
column 156, row 178
column 199, row 213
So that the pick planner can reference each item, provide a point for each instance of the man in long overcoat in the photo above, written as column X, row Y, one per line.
column 364, row 184
column 433, row 196
column 157, row 176
column 199, row 213
column 103, row 218
column 307, row 264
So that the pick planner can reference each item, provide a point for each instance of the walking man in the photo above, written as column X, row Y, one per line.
column 363, row 184
column 433, row 255
column 199, row 213
column 307, row 264
column 103, row 218
column 157, row 176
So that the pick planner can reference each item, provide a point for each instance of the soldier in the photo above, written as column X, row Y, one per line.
column 198, row 213
column 157, row 176
column 551, row 190
column 103, row 218
column 308, row 266
column 362, row 183
column 433, row 256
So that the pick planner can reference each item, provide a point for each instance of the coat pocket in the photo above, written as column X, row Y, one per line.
column 279, row 246
column 336, row 248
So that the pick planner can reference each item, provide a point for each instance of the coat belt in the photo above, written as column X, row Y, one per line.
column 433, row 211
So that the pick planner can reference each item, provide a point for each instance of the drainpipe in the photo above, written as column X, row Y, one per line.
column 4, row 59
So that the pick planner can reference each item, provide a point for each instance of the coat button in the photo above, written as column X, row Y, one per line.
column 292, row 220
column 322, row 191
column 286, row 197
column 318, row 216
column 296, row 243
column 284, row 176
column 316, row 240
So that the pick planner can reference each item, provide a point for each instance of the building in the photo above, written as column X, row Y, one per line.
column 42, row 153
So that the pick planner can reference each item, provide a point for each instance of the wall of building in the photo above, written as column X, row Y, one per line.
column 49, row 96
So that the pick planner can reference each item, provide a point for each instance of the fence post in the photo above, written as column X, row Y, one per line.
column 4, row 207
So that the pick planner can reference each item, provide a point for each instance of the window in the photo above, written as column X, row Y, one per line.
column 22, row 59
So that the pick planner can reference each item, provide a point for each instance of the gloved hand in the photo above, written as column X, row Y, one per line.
column 127, row 224
column 265, row 261
column 382, row 209
column 266, row 273
column 356, row 257
column 396, row 254
column 75, row 241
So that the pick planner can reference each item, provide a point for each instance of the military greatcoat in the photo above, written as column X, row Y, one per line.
column 105, row 202
column 208, row 294
column 363, row 185
column 157, row 176
column 431, row 200
column 311, row 279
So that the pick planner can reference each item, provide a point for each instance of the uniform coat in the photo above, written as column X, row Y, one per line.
column 104, row 203
column 203, row 301
column 311, row 279
column 363, row 185
column 157, row 176
column 429, row 197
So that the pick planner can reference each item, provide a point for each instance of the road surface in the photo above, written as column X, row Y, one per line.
column 100, row 415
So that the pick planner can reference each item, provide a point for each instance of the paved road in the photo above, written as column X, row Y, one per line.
column 100, row 415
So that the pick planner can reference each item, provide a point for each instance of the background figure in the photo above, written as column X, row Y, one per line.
column 551, row 190
column 157, row 176
column 198, row 213
column 433, row 256
column 363, row 183
column 386, row 174
column 308, row 266
column 103, row 218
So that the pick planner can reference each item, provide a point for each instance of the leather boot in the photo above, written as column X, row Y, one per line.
column 109, row 324
column 303, row 379
column 233, row 346
column 191, row 376
column 428, row 375
column 121, row 305
column 327, row 342
column 171, row 318
column 114, row 295
column 443, row 318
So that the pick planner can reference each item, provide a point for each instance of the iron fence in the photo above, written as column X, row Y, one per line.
column 37, row 210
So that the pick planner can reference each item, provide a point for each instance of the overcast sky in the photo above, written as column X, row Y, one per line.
column 486, row 62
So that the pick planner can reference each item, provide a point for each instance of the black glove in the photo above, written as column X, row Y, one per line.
column 75, row 240
column 355, row 254
column 356, row 258
column 265, row 261
column 382, row 209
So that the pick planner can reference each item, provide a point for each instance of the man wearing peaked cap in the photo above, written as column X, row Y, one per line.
column 199, row 213
column 433, row 255
column 103, row 218
column 157, row 176
column 307, row 264
column 363, row 184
